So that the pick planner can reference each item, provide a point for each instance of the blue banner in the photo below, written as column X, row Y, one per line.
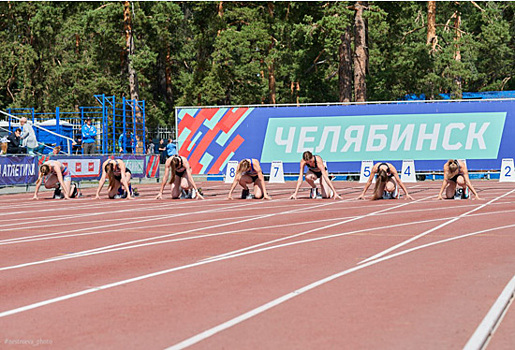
column 18, row 170
column 482, row 132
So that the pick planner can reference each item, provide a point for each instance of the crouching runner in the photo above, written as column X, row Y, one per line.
column 249, row 172
column 181, row 179
column 119, row 179
column 56, row 175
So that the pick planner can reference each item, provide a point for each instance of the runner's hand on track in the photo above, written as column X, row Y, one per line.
column 293, row 196
column 159, row 196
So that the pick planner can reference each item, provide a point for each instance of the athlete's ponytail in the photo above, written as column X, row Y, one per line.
column 382, row 177
column 174, row 164
column 109, row 169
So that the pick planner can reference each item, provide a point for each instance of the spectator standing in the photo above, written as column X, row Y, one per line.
column 121, row 143
column 77, row 145
column 171, row 148
column 162, row 151
column 28, row 136
column 13, row 147
column 89, row 133
column 150, row 147
column 134, row 144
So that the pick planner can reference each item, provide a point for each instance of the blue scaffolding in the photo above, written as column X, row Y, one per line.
column 120, row 125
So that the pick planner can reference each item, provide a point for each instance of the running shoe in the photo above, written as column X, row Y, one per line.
column 245, row 193
column 58, row 194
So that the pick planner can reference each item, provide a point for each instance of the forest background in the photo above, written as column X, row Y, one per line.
column 232, row 53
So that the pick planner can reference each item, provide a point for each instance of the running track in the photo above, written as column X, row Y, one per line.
column 248, row 274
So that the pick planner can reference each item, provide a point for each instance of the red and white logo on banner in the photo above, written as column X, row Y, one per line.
column 84, row 167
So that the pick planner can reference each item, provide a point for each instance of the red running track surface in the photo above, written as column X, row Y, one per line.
column 254, row 274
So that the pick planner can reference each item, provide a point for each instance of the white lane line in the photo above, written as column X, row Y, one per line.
column 313, row 230
column 40, row 219
column 204, row 228
column 103, row 251
column 132, row 244
column 265, row 307
column 125, row 222
column 159, row 273
column 414, row 238
column 62, row 234
column 487, row 327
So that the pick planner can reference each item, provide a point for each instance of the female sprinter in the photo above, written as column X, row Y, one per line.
column 386, row 183
column 181, row 180
column 455, row 173
column 119, row 179
column 316, row 170
column 248, row 172
column 57, row 176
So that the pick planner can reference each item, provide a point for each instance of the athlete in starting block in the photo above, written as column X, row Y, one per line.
column 387, row 183
column 181, row 180
column 55, row 175
column 119, row 180
column 249, row 172
column 316, row 170
column 456, row 181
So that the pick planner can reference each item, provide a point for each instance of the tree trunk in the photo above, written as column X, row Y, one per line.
column 129, row 40
column 457, row 55
column 431, row 26
column 271, row 65
column 345, row 67
column 133, row 78
column 360, row 54
column 168, row 74
column 271, row 81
